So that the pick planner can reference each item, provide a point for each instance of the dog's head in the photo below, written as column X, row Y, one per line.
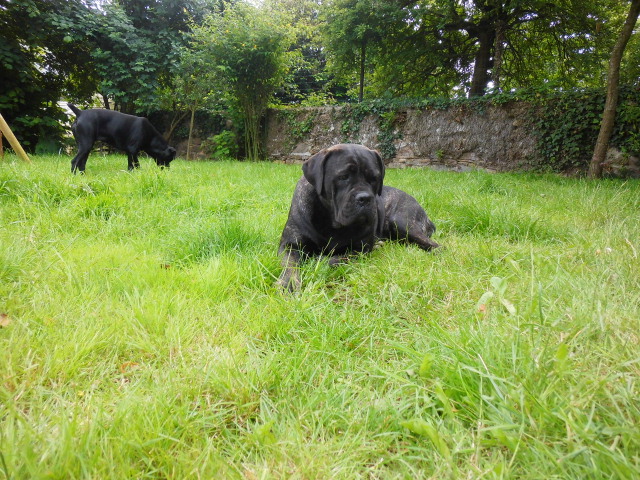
column 163, row 157
column 348, row 179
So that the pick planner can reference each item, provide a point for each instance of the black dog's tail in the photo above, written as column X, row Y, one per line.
column 75, row 109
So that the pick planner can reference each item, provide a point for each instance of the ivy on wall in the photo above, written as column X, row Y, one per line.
column 299, row 123
column 565, row 123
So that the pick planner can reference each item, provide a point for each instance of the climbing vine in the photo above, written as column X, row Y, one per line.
column 299, row 123
column 565, row 123
column 387, row 116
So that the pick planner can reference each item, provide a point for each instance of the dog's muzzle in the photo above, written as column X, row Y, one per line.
column 363, row 199
column 360, row 208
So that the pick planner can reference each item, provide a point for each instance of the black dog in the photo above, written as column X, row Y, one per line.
column 341, row 206
column 124, row 132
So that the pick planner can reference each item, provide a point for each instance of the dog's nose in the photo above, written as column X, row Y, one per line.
column 363, row 198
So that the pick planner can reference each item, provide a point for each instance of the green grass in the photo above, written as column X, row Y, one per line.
column 143, row 336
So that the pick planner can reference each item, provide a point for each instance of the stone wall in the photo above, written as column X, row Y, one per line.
column 495, row 139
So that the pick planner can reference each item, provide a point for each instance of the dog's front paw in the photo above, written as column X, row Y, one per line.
column 289, row 280
column 338, row 260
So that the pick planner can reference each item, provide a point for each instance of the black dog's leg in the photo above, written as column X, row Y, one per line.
column 406, row 220
column 411, row 233
column 410, row 224
column 336, row 260
column 422, row 240
column 133, row 161
column 290, row 276
column 80, row 160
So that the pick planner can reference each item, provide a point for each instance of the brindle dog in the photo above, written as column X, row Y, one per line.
column 340, row 206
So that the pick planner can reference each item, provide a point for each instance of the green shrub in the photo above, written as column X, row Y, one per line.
column 223, row 145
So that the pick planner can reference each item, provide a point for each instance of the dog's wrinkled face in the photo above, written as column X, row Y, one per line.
column 348, row 179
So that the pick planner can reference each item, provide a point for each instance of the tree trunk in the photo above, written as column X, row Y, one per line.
column 363, row 51
column 498, row 51
column 611, row 103
column 191, row 122
column 175, row 121
column 482, row 62
column 252, row 131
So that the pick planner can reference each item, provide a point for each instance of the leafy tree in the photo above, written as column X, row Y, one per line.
column 136, row 47
column 354, row 31
column 609, row 115
column 245, row 52
column 565, row 47
column 38, row 63
column 433, row 46
column 49, row 49
column 307, row 79
column 630, row 67
column 190, row 89
column 421, row 57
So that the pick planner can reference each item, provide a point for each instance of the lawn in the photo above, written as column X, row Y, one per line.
column 142, row 335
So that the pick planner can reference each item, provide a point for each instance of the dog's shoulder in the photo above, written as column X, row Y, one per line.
column 388, row 191
column 392, row 195
column 304, row 198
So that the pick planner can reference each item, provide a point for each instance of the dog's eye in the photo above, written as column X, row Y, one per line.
column 343, row 177
column 372, row 178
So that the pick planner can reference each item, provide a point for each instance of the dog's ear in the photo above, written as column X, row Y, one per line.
column 381, row 165
column 313, row 169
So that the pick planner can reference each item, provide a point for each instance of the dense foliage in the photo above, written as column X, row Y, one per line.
column 567, row 126
column 34, row 35
column 244, row 56
column 140, row 56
